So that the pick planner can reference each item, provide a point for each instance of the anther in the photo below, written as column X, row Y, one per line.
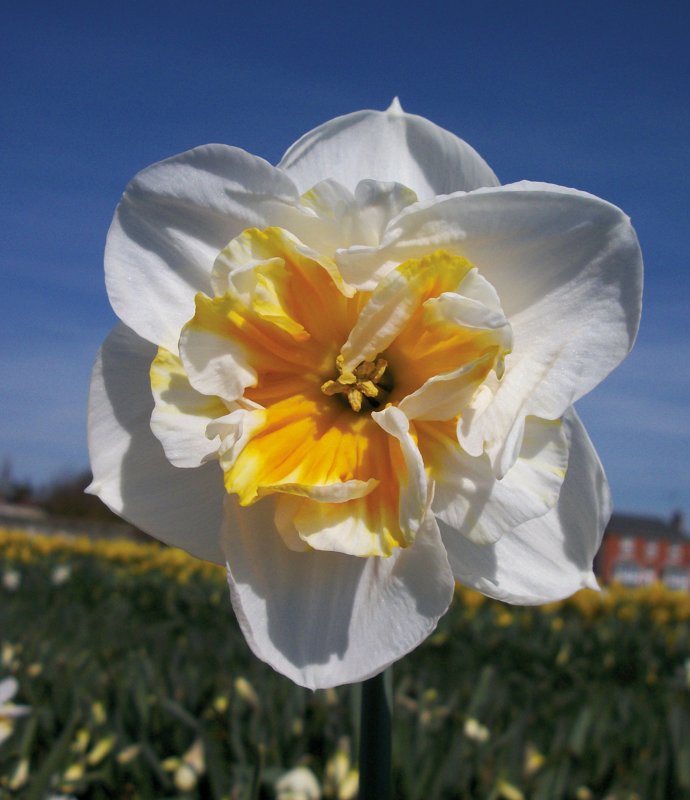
column 365, row 381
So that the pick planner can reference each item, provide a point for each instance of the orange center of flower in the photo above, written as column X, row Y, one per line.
column 267, row 343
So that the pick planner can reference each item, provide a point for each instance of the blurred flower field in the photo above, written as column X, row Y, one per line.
column 139, row 684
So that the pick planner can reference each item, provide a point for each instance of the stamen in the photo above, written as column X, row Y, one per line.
column 368, row 388
column 365, row 382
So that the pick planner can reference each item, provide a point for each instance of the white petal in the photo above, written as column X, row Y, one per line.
column 415, row 492
column 341, row 219
column 550, row 557
column 329, row 528
column 568, row 271
column 381, row 320
column 14, row 712
column 229, row 271
column 332, row 220
column 235, row 268
column 8, row 688
column 377, row 204
column 387, row 146
column 393, row 303
column 470, row 313
column 215, row 364
column 132, row 476
column 326, row 619
column 234, row 430
column 469, row 499
column 181, row 414
column 173, row 220
column 476, row 287
column 445, row 396
column 325, row 493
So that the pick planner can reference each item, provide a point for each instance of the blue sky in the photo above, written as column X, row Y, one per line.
column 589, row 94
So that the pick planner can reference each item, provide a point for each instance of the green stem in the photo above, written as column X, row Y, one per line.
column 375, row 738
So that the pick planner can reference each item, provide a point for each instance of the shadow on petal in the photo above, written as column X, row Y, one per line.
column 472, row 564
column 301, row 602
column 182, row 507
column 588, row 500
column 326, row 619
column 549, row 557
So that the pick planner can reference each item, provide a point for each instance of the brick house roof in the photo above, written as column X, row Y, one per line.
column 649, row 527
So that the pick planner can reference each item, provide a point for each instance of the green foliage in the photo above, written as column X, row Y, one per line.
column 141, row 686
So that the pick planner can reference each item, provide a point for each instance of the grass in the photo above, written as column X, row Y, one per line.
column 141, row 685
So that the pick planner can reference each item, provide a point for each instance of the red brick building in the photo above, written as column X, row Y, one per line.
column 638, row 550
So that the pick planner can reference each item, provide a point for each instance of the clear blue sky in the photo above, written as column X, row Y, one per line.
column 589, row 94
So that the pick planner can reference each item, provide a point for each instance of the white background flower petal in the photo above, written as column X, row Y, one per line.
column 132, row 476
column 8, row 688
column 173, row 220
column 550, row 557
column 298, row 784
column 387, row 146
column 324, row 619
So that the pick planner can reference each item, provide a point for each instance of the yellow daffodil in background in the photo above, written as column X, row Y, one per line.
column 350, row 377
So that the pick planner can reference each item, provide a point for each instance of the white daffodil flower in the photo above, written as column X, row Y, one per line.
column 298, row 784
column 11, row 580
column 350, row 377
column 61, row 574
column 8, row 710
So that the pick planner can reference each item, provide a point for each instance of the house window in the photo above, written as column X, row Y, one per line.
column 629, row 573
column 651, row 550
column 676, row 578
column 675, row 554
column 627, row 547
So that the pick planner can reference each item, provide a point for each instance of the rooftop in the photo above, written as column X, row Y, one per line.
column 649, row 527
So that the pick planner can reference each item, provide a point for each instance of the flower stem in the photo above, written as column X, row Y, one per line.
column 375, row 737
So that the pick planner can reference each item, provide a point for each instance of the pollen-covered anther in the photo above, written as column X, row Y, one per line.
column 365, row 381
